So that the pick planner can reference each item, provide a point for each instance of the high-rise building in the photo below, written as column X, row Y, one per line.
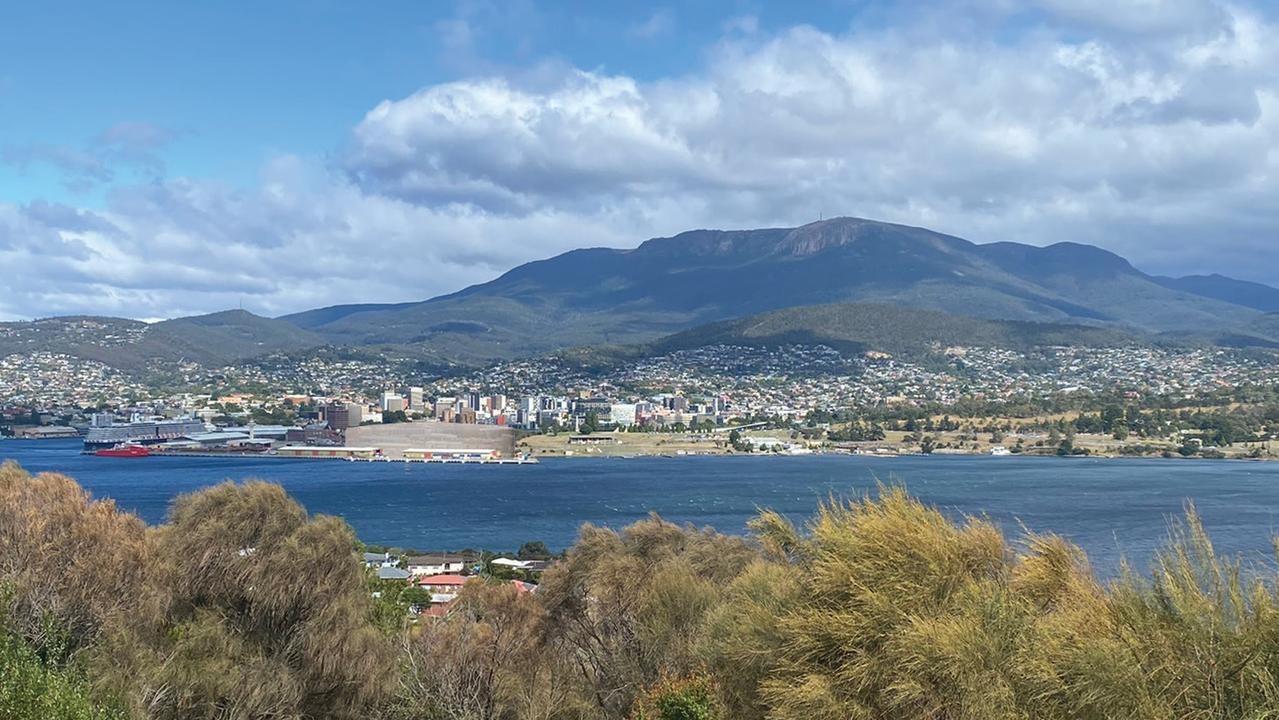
column 392, row 402
column 417, row 399
column 354, row 413
column 338, row 416
column 623, row 414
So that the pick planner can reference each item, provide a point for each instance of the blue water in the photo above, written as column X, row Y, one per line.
column 1111, row 507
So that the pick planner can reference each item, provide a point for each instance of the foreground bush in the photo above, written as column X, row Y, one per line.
column 252, row 610
column 243, row 606
column 899, row 613
column 240, row 606
column 69, row 566
column 624, row 609
column 31, row 689
column 691, row 698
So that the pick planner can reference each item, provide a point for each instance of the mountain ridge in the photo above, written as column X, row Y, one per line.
column 667, row 285
column 664, row 285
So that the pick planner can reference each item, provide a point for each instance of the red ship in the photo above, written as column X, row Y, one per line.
column 124, row 451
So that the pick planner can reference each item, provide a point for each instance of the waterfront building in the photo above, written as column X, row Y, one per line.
column 591, row 440
column 306, row 451
column 45, row 432
column 451, row 454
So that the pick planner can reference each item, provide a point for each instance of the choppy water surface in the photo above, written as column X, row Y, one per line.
column 1109, row 506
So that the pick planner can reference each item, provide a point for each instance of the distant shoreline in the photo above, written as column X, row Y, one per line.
column 885, row 456
column 637, row 454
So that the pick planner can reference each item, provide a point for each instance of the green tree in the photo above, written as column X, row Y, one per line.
column 535, row 550
column 691, row 698
column 31, row 688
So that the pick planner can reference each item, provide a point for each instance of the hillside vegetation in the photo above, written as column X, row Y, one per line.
column 242, row 606
column 863, row 327
column 130, row 345
column 860, row 327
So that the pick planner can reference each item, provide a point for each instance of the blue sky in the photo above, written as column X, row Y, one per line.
column 236, row 83
column 169, row 158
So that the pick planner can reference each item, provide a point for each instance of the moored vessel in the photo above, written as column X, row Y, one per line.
column 124, row 450
column 140, row 431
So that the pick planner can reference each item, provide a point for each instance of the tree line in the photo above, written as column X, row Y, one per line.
column 241, row 605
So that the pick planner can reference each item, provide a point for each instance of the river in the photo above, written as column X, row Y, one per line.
column 1111, row 507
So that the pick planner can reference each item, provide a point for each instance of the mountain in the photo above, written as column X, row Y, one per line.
column 130, row 345
column 666, row 285
column 1238, row 292
column 602, row 296
column 864, row 327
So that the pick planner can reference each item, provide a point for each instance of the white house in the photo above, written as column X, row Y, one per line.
column 380, row 560
column 442, row 564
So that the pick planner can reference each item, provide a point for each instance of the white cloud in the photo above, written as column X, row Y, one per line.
column 1159, row 147
column 1152, row 136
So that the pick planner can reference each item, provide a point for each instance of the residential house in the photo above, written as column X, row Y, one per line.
column 445, row 584
column 380, row 560
column 439, row 563
column 392, row 573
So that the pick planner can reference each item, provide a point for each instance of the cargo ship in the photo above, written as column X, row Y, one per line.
column 124, row 451
column 140, row 432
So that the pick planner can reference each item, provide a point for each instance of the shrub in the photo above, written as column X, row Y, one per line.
column 690, row 698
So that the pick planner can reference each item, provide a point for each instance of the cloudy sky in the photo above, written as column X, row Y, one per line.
column 158, row 160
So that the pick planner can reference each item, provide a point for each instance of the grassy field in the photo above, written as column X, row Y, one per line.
column 629, row 444
column 957, row 442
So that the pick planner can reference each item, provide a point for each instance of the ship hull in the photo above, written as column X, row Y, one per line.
column 129, row 451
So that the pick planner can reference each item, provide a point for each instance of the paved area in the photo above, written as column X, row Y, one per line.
column 395, row 438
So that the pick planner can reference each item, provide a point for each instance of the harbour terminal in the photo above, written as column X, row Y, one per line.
column 426, row 442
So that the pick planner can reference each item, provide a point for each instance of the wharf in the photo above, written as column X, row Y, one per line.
column 268, row 455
